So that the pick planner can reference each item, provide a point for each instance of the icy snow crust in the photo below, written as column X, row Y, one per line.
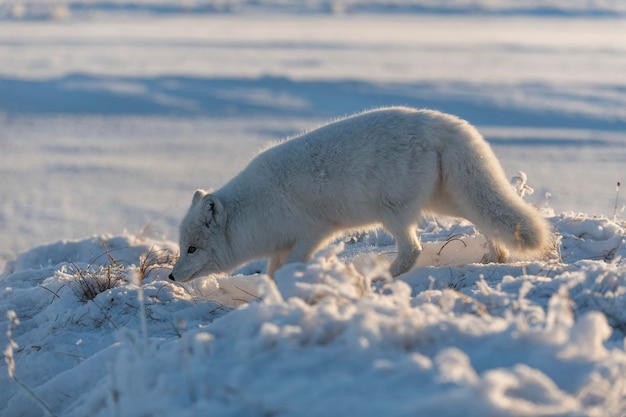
column 336, row 336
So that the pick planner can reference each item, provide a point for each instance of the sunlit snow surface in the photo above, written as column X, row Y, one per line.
column 111, row 117
column 332, row 337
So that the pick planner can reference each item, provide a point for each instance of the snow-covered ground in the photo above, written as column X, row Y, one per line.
column 111, row 117
column 334, row 337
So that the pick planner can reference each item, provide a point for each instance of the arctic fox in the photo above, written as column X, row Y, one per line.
column 381, row 167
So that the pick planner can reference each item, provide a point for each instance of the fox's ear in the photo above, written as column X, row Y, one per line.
column 213, row 210
column 197, row 196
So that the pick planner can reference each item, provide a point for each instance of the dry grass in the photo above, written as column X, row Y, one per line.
column 616, row 209
column 92, row 281
column 96, row 279
column 155, row 259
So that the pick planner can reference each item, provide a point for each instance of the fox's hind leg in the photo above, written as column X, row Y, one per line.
column 400, row 216
column 408, row 246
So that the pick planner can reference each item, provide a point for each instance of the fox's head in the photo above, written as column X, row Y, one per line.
column 203, row 246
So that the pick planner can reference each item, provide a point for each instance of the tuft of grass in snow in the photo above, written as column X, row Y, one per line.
column 93, row 280
column 90, row 282
column 155, row 259
column 616, row 209
column 520, row 183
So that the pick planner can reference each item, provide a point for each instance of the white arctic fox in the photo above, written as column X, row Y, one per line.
column 387, row 167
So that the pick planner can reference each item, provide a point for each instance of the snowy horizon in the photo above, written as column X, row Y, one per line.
column 54, row 9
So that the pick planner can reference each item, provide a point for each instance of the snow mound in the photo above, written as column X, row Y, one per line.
column 334, row 336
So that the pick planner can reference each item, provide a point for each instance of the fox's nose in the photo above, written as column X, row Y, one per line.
column 172, row 277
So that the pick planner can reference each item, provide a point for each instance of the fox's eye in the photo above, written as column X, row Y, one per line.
column 191, row 249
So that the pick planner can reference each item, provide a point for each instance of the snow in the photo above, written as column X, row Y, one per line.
column 52, row 9
column 115, row 112
column 330, row 337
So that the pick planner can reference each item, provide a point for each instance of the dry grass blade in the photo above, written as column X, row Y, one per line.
column 453, row 238
column 155, row 259
column 616, row 209
column 90, row 282
column 10, row 360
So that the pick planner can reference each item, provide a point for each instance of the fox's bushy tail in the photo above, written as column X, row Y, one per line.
column 472, row 174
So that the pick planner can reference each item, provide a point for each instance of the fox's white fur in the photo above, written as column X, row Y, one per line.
column 387, row 166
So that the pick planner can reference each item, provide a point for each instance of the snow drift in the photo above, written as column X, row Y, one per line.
column 331, row 337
